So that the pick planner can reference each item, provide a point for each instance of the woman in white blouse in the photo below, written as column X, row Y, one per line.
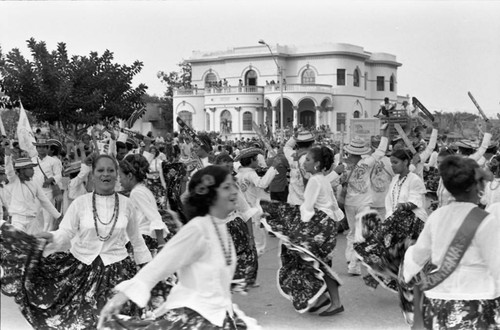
column 469, row 298
column 67, row 290
column 308, row 236
column 380, row 243
column 203, row 256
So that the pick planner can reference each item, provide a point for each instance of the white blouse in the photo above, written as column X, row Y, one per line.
column 491, row 193
column 408, row 190
column 319, row 194
column 196, row 254
column 148, row 216
column 79, row 223
column 478, row 273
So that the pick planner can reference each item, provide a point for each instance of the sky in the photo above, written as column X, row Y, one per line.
column 447, row 48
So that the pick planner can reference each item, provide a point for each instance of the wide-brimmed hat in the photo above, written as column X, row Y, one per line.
column 23, row 162
column 357, row 147
column 132, row 142
column 54, row 142
column 72, row 168
column 305, row 136
column 248, row 152
column 42, row 143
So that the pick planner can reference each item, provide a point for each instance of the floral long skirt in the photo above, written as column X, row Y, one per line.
column 246, row 254
column 306, row 252
column 177, row 319
column 461, row 314
column 57, row 292
column 383, row 249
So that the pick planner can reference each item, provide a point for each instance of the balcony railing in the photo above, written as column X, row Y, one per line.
column 235, row 90
column 188, row 92
column 299, row 88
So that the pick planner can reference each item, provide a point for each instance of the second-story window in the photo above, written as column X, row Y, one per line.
column 251, row 78
column 380, row 83
column 308, row 77
column 340, row 77
column 391, row 84
column 355, row 77
column 210, row 79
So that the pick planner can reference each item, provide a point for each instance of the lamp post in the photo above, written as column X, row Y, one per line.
column 280, row 72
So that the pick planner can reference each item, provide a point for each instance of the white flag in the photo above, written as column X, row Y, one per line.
column 25, row 134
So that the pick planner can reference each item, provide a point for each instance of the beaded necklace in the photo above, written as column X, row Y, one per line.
column 395, row 198
column 114, row 218
column 227, row 253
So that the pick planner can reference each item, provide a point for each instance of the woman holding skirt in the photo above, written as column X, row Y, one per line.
column 308, row 235
column 381, row 244
column 203, row 256
column 67, row 290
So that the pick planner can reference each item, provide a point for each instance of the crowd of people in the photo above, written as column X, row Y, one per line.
column 116, row 230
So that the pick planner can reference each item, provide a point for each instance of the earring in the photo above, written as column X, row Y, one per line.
column 480, row 194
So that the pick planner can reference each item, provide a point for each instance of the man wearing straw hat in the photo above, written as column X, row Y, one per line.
column 26, row 194
column 359, row 194
column 48, row 172
column 295, row 151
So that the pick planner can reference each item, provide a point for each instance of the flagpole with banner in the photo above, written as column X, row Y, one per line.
column 25, row 133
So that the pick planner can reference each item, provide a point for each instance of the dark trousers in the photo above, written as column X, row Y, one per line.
column 281, row 196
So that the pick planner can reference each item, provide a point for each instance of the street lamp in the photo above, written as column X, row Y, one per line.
column 280, row 72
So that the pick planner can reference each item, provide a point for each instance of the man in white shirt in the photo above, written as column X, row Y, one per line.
column 48, row 173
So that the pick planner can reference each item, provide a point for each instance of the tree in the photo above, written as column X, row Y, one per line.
column 72, row 92
column 173, row 80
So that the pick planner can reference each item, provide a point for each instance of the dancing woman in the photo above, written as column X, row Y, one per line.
column 308, row 235
column 466, row 290
column 381, row 244
column 68, row 290
column 202, row 254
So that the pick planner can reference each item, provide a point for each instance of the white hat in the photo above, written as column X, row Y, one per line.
column 357, row 147
column 305, row 136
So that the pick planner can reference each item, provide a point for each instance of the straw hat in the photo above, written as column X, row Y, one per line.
column 72, row 168
column 42, row 143
column 54, row 142
column 305, row 136
column 357, row 147
column 23, row 162
column 248, row 152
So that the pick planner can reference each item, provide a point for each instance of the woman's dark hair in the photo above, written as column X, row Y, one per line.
column 403, row 154
column 98, row 158
column 324, row 156
column 307, row 144
column 247, row 160
column 138, row 165
column 223, row 158
column 199, row 204
column 458, row 173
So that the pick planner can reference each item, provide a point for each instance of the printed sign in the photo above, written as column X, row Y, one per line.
column 364, row 128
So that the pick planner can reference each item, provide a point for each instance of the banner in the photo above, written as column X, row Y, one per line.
column 25, row 134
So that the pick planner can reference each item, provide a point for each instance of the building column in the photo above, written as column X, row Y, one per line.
column 205, row 128
column 273, row 123
column 239, row 127
column 318, row 109
column 264, row 117
column 329, row 117
column 295, row 116
column 212, row 119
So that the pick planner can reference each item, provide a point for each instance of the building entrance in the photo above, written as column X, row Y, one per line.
column 307, row 118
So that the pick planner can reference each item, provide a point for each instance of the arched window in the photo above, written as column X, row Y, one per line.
column 226, row 122
column 207, row 122
column 187, row 117
column 308, row 77
column 356, row 114
column 251, row 78
column 391, row 83
column 210, row 79
column 355, row 76
column 247, row 121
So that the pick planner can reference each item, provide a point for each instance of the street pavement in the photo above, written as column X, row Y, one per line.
column 364, row 309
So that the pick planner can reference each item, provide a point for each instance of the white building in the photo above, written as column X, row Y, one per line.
column 323, row 85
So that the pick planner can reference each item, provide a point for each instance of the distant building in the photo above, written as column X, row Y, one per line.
column 322, row 85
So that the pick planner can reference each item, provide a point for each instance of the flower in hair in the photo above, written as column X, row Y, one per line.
column 208, row 180
column 201, row 189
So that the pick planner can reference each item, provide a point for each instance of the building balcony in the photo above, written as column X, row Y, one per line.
column 299, row 88
column 189, row 92
column 235, row 90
